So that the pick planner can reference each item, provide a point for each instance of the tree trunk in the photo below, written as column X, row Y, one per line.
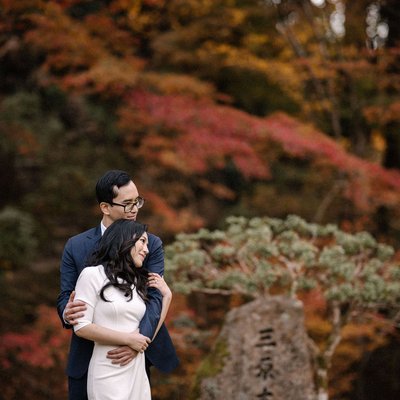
column 322, row 390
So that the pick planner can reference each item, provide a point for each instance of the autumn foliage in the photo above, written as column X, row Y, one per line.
column 41, row 349
column 119, row 74
column 216, row 108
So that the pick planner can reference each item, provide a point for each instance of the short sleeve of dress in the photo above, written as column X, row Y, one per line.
column 87, row 289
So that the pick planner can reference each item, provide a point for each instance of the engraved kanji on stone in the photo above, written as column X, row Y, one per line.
column 265, row 367
column 266, row 338
column 265, row 394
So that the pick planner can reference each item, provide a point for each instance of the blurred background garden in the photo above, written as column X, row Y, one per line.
column 217, row 108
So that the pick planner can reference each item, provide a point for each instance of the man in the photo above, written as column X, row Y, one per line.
column 118, row 198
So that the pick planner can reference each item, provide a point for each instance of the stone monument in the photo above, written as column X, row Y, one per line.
column 260, row 354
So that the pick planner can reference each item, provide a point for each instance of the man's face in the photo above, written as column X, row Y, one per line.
column 126, row 194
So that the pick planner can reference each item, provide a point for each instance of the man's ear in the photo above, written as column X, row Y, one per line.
column 105, row 208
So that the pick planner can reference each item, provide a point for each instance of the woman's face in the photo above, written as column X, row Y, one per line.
column 140, row 250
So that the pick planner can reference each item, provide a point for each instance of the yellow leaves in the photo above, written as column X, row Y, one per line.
column 282, row 73
column 142, row 16
column 108, row 77
column 255, row 41
column 169, row 160
column 177, row 84
column 379, row 145
column 320, row 106
column 133, row 8
column 237, row 16
column 378, row 141
column 190, row 9
column 357, row 340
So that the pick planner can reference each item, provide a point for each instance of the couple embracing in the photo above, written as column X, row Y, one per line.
column 114, row 297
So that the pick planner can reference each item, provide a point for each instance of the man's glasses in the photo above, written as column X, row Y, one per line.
column 139, row 201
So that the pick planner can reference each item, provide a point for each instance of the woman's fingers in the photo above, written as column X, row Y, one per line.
column 154, row 280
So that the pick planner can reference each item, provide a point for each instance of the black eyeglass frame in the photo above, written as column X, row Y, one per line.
column 139, row 202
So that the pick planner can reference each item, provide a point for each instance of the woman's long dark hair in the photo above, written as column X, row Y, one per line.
column 114, row 253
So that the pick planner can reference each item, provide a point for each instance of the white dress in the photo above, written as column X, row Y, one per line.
column 107, row 381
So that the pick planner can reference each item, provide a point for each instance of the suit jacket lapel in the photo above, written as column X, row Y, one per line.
column 91, row 241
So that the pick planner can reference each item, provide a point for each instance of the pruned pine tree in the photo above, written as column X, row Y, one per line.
column 353, row 273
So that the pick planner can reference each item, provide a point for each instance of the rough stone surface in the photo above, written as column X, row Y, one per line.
column 264, row 355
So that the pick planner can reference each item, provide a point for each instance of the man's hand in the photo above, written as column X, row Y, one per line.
column 73, row 310
column 122, row 355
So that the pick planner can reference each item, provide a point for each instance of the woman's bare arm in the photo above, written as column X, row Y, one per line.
column 158, row 282
column 107, row 336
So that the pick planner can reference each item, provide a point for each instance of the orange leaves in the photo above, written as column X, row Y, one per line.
column 66, row 43
column 43, row 346
column 109, row 77
column 169, row 218
column 118, row 41
column 181, row 84
column 384, row 114
column 89, row 56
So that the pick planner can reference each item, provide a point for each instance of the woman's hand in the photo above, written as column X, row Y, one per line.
column 138, row 342
column 156, row 281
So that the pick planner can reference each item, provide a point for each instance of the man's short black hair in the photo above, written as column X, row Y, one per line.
column 106, row 186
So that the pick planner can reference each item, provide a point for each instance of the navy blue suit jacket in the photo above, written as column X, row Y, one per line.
column 161, row 352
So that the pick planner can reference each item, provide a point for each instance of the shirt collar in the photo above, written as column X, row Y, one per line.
column 103, row 228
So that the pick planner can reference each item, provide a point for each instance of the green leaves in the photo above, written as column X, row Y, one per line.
column 266, row 255
column 18, row 241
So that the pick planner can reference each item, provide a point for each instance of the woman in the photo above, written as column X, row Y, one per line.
column 114, row 290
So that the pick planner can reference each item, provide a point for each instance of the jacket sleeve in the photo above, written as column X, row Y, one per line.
column 68, row 277
column 153, row 263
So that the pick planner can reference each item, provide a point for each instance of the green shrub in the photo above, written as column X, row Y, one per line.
column 18, row 242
